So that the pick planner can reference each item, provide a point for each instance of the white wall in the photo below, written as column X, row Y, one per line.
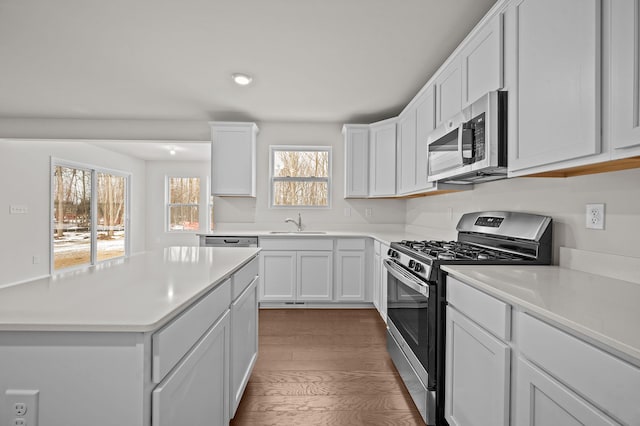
column 233, row 213
column 157, row 172
column 563, row 199
column 25, row 173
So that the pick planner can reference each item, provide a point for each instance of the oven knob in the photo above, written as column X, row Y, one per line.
column 412, row 263
column 418, row 267
column 393, row 253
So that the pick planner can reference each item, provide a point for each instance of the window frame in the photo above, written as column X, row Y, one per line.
column 93, row 261
column 273, row 179
column 168, row 204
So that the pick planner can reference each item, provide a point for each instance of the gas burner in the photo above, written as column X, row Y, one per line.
column 446, row 256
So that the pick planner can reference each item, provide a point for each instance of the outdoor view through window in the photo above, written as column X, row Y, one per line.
column 300, row 177
column 184, row 200
column 76, row 218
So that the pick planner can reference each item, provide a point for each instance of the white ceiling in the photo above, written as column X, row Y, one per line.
column 312, row 60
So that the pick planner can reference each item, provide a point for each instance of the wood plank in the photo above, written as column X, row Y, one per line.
column 329, row 418
column 324, row 367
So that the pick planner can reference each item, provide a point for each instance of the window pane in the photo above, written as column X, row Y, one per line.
column 300, row 194
column 184, row 190
column 71, row 217
column 183, row 218
column 111, row 216
column 301, row 163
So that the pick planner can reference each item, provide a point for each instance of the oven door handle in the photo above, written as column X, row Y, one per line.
column 406, row 278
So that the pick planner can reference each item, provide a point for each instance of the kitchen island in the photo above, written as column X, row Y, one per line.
column 146, row 340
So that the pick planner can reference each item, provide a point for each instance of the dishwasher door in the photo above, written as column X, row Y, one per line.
column 228, row 241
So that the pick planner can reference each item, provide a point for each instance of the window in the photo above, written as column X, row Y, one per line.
column 183, row 205
column 300, row 176
column 89, row 215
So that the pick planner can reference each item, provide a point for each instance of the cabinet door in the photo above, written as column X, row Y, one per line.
column 233, row 159
column 196, row 392
column 315, row 275
column 278, row 275
column 625, row 77
column 425, row 124
column 477, row 374
column 244, row 342
column 449, row 91
column 350, row 276
column 407, row 152
column 382, row 159
column 377, row 283
column 356, row 163
column 383, row 282
column 555, row 92
column 482, row 62
column 542, row 401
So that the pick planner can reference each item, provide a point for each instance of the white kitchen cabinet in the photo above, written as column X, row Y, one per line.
column 351, row 270
column 425, row 124
column 296, row 270
column 544, row 401
column 407, row 150
column 244, row 342
column 382, row 159
column 477, row 374
column 233, row 159
column 356, row 164
column 278, row 275
column 448, row 85
column 377, row 284
column 482, row 61
column 314, row 276
column 553, row 78
column 625, row 78
column 197, row 390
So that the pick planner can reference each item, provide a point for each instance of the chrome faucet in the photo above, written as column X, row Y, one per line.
column 298, row 223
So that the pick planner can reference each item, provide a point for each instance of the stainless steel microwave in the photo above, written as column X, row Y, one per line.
column 472, row 146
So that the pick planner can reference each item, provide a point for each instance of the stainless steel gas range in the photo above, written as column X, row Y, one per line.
column 416, row 294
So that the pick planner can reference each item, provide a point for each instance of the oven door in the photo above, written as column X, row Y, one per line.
column 412, row 314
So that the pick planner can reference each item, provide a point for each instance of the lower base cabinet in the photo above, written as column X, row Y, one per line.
column 196, row 392
column 477, row 374
column 244, row 342
column 544, row 401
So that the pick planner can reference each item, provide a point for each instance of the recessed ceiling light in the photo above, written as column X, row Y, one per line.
column 172, row 150
column 242, row 79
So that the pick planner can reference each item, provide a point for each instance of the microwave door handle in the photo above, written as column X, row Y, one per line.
column 465, row 139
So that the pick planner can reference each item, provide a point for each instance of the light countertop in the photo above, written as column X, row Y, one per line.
column 601, row 309
column 137, row 294
column 385, row 237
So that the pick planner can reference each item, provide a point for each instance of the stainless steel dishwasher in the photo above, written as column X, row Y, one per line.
column 228, row 241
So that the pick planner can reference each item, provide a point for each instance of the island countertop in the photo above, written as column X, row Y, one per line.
column 136, row 294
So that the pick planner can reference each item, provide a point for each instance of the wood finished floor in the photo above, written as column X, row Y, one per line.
column 324, row 367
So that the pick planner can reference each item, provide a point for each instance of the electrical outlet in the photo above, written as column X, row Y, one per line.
column 15, row 209
column 368, row 212
column 347, row 211
column 595, row 216
column 21, row 407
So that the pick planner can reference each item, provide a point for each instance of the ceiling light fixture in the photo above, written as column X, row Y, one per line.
column 241, row 79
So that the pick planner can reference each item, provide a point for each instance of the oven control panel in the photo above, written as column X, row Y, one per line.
column 489, row 221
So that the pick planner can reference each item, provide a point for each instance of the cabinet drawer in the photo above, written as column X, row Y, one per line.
column 243, row 278
column 491, row 313
column 175, row 339
column 351, row 244
column 296, row 243
column 606, row 381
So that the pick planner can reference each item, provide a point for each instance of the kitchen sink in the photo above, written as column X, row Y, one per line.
column 297, row 232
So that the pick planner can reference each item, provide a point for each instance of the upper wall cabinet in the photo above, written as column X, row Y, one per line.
column 406, row 152
column 448, row 86
column 382, row 159
column 625, row 78
column 233, row 159
column 553, row 78
column 356, row 164
column 482, row 62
